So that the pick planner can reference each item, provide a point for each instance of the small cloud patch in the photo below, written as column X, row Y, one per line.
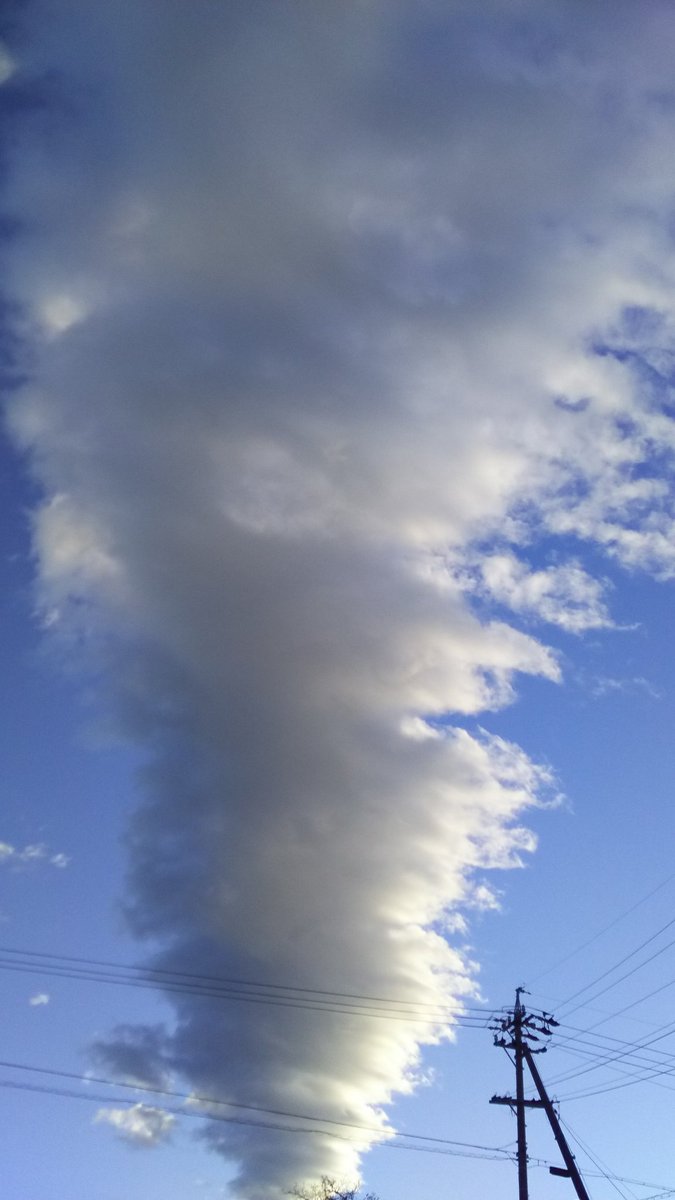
column 39, row 1000
column 59, row 860
column 140, row 1125
column 35, row 852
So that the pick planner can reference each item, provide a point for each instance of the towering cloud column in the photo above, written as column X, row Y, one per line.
column 330, row 312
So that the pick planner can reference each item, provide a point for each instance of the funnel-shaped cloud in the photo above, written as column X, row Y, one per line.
column 333, row 310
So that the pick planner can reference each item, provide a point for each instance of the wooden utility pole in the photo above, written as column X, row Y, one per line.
column 515, row 1032
column 518, row 1016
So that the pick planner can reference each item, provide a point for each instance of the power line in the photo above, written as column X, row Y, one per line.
column 624, row 1071
column 665, row 1031
column 495, row 1156
column 598, row 1038
column 605, row 929
column 596, row 1161
column 641, row 1000
column 197, row 1099
column 490, row 1154
column 283, row 996
column 522, row 1032
column 595, row 1055
column 225, row 981
column 615, row 967
column 645, row 1077
column 247, row 997
column 669, row 1069
column 606, row 1055
column 606, row 1050
column 427, row 1143
column 659, row 1063
column 552, row 1002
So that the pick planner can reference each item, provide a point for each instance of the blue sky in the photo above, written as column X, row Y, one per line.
column 337, row 541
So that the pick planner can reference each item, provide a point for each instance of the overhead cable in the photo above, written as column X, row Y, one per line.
column 605, row 929
column 215, row 987
column 191, row 1098
column 615, row 967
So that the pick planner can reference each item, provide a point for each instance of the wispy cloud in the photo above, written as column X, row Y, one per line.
column 39, row 1000
column 607, row 685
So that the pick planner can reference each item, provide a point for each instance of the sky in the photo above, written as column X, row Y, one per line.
column 337, row 543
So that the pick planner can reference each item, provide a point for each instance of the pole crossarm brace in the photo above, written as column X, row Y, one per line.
column 515, row 1032
column 511, row 1101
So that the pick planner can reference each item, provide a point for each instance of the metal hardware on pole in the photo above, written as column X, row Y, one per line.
column 516, row 1031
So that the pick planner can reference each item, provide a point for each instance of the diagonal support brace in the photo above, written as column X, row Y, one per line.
column 558, row 1134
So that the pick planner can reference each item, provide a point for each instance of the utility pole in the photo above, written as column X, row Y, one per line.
column 515, row 1032
column 518, row 1017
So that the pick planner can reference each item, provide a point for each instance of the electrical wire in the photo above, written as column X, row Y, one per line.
column 602, row 1167
column 448, row 1147
column 283, row 996
column 605, row 929
column 614, row 1087
column 406, row 1141
column 553, row 1003
column 272, row 1125
column 597, row 1039
column 668, row 1069
column 658, row 1065
column 579, row 1041
column 223, row 980
column 665, row 1031
column 627, row 1007
column 608, row 987
column 604, row 1172
column 248, row 997
column 601, row 1056
column 615, row 967
column 191, row 1098
column 585, row 1055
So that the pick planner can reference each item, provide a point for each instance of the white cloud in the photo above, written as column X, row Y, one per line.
column 33, row 853
column 26, row 856
column 40, row 999
column 562, row 595
column 140, row 1124
column 354, row 319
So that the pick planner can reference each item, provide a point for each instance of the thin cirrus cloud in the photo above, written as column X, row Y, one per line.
column 348, row 307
